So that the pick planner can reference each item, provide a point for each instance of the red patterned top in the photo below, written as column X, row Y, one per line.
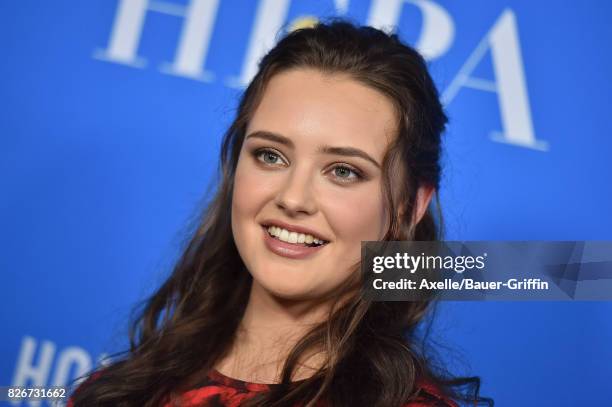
column 218, row 390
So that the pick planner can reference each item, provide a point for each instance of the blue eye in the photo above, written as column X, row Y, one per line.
column 345, row 173
column 269, row 156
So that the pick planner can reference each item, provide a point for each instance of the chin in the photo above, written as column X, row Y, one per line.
column 288, row 287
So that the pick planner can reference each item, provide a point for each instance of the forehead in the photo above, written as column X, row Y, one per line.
column 314, row 108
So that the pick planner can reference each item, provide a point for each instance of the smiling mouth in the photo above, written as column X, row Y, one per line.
column 297, row 239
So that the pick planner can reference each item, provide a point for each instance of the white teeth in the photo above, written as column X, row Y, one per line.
column 293, row 237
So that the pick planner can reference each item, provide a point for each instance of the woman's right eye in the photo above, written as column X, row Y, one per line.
column 267, row 156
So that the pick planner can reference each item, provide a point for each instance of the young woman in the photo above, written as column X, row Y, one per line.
column 336, row 141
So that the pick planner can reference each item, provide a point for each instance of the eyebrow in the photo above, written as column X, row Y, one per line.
column 344, row 151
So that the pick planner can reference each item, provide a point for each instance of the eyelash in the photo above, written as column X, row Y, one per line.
column 358, row 174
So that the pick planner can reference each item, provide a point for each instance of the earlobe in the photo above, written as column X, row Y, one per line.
column 423, row 198
column 424, row 195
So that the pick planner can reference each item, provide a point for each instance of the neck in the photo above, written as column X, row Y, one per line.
column 270, row 328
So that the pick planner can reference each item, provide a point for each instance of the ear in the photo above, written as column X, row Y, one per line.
column 423, row 198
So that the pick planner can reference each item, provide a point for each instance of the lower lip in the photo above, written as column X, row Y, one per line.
column 290, row 250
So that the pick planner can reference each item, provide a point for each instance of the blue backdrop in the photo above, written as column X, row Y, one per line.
column 112, row 113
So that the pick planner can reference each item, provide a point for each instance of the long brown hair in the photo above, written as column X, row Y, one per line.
column 372, row 359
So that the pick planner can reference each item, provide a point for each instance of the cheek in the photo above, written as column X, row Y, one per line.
column 241, row 190
column 244, row 202
column 357, row 216
column 249, row 189
column 251, row 192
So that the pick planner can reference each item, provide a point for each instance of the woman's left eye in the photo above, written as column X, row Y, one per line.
column 343, row 172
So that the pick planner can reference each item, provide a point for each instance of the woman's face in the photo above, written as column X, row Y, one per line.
column 312, row 158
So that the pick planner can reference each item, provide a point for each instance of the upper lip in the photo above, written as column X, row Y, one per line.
column 294, row 228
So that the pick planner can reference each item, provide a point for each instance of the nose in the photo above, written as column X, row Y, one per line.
column 295, row 193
